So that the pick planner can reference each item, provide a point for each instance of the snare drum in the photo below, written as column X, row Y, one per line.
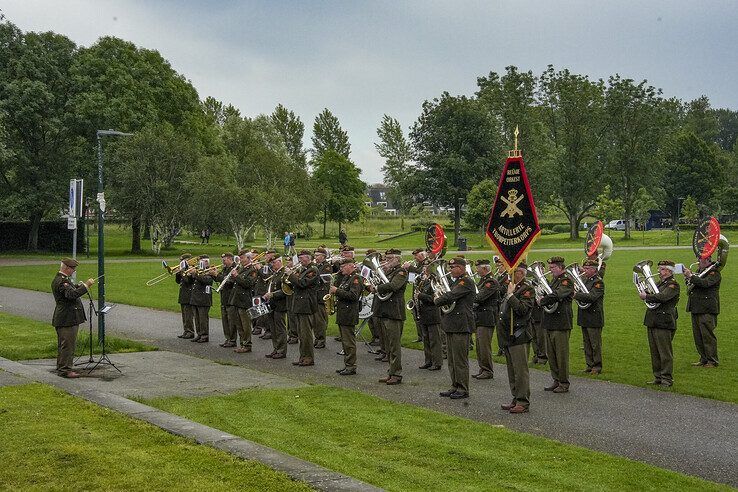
column 366, row 306
column 259, row 310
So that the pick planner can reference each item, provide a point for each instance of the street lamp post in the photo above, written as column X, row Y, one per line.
column 101, row 230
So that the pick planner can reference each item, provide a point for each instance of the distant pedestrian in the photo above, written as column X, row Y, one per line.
column 342, row 238
column 207, row 235
column 202, row 236
column 286, row 242
column 292, row 243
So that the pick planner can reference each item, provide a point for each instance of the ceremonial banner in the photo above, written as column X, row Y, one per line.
column 513, row 223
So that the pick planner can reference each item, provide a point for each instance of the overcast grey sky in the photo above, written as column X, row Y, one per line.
column 364, row 59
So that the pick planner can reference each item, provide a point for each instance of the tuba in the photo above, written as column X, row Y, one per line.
column 439, row 283
column 573, row 272
column 598, row 244
column 706, row 240
column 377, row 277
column 541, row 285
column 643, row 280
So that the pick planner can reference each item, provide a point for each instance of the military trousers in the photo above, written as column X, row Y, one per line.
column 202, row 320
column 557, row 346
column 539, row 341
column 348, row 340
column 188, row 319
column 458, row 360
column 243, row 326
column 371, row 321
column 379, row 328
column 321, row 323
column 305, row 324
column 279, row 331
column 392, row 332
column 291, row 325
column 418, row 330
column 703, row 330
column 432, row 346
column 501, row 341
column 662, row 355
column 66, row 342
column 484, row 350
column 229, row 332
column 592, row 339
column 517, row 373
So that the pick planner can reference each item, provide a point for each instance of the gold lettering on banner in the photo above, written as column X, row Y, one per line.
column 511, row 237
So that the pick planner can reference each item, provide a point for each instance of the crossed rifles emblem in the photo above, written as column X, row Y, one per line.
column 512, row 201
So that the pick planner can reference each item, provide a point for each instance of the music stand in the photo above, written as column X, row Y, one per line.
column 104, row 359
column 89, row 317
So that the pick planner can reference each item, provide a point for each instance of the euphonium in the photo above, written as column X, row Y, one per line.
column 646, row 284
column 439, row 283
column 573, row 272
column 541, row 285
column 378, row 277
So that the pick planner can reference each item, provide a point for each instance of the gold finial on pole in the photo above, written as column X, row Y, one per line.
column 515, row 152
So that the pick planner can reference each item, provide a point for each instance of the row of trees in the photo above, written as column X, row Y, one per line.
column 593, row 148
column 189, row 163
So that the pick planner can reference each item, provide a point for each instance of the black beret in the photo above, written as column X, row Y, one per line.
column 590, row 263
column 417, row 250
column 523, row 265
column 393, row 251
column 483, row 262
column 346, row 247
column 321, row 251
column 185, row 256
column 457, row 261
column 227, row 255
column 305, row 252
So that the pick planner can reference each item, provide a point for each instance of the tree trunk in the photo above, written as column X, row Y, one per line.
column 136, row 234
column 573, row 227
column 325, row 218
column 402, row 222
column 33, row 233
column 339, row 227
column 147, row 229
column 457, row 220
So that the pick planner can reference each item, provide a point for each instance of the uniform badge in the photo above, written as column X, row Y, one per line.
column 526, row 293
column 311, row 274
column 488, row 285
column 565, row 282
column 461, row 282
column 356, row 280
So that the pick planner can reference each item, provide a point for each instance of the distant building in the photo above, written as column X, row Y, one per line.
column 378, row 195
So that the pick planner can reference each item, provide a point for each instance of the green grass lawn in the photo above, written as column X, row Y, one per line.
column 53, row 441
column 402, row 447
column 23, row 338
column 625, row 346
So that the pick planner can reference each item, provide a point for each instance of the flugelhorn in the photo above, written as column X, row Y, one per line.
column 643, row 281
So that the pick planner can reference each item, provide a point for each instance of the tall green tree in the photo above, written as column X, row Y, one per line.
column 43, row 151
column 292, row 129
column 396, row 151
column 479, row 204
column 457, row 143
column 642, row 206
column 638, row 122
column 345, row 191
column 573, row 112
column 328, row 135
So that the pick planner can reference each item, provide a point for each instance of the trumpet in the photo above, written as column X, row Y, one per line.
column 190, row 262
column 643, row 280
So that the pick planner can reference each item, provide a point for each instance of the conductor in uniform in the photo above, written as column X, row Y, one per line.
column 68, row 315
column 458, row 325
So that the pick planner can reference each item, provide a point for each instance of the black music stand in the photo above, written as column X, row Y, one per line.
column 91, row 364
column 91, row 310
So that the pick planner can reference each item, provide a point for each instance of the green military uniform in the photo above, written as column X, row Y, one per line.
column 321, row 315
column 538, row 335
column 262, row 324
column 241, row 300
column 304, row 305
column 458, row 326
column 69, row 313
column 592, row 320
column 201, row 298
column 703, row 301
column 503, row 279
column 348, row 304
column 429, row 319
column 558, row 326
column 514, row 324
column 391, row 318
column 279, row 306
column 229, row 325
column 186, row 283
column 662, row 324
column 291, row 322
column 486, row 309
column 416, row 269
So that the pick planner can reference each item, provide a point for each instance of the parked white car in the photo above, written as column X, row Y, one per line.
column 618, row 225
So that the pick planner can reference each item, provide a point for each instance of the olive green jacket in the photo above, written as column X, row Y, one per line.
column 243, row 290
column 69, row 310
column 461, row 319
column 394, row 307
column 703, row 293
column 487, row 301
column 518, row 308
column 665, row 315
column 202, row 290
column 348, row 300
column 561, row 319
column 305, row 287
column 594, row 315
column 428, row 312
column 227, row 290
column 185, row 287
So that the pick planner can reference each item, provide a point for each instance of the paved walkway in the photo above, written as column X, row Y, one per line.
column 106, row 386
column 692, row 435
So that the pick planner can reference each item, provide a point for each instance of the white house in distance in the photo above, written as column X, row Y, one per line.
column 378, row 195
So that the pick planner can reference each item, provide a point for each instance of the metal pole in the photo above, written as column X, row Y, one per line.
column 100, row 245
column 74, row 253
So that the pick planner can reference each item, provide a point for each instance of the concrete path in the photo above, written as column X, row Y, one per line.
column 91, row 389
column 692, row 435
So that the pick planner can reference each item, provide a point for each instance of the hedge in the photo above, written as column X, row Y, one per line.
column 52, row 236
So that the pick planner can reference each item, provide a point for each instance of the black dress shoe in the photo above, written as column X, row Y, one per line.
column 552, row 387
column 182, row 335
column 379, row 357
column 434, row 368
column 348, row 372
column 201, row 340
column 187, row 336
column 448, row 393
column 195, row 339
column 338, row 339
column 458, row 395
column 267, row 336
column 427, row 365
